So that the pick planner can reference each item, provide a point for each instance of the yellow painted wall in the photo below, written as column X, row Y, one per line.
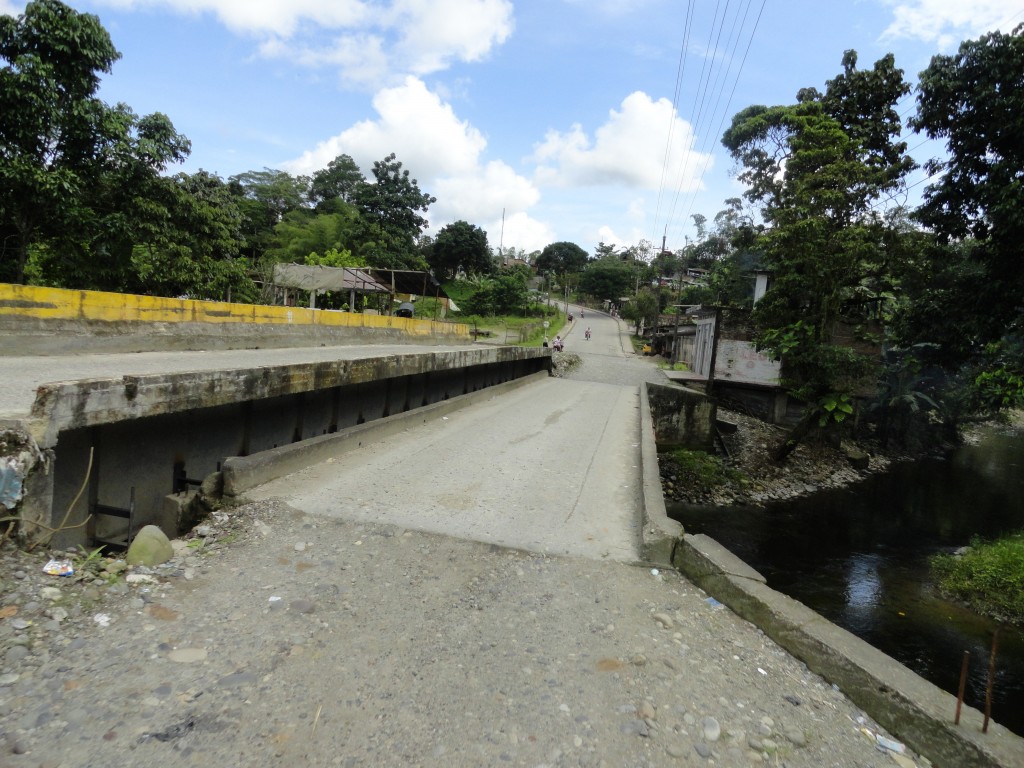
column 59, row 304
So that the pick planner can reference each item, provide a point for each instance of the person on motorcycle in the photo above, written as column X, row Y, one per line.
column 587, row 334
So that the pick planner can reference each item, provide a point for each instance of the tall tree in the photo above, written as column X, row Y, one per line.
column 59, row 143
column 337, row 182
column 197, row 251
column 817, row 168
column 974, row 99
column 460, row 245
column 390, row 208
column 561, row 258
column 607, row 279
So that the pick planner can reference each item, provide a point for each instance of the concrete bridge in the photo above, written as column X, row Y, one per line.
column 442, row 435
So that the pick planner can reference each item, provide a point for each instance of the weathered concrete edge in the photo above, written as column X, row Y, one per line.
column 243, row 473
column 917, row 712
column 658, row 532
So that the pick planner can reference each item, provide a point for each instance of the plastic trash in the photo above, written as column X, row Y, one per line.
column 59, row 568
column 714, row 603
column 889, row 744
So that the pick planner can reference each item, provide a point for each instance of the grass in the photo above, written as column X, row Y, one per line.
column 701, row 472
column 989, row 577
column 513, row 329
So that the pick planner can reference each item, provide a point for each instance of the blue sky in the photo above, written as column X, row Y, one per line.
column 567, row 115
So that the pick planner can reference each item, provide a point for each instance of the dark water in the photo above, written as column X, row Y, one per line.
column 859, row 557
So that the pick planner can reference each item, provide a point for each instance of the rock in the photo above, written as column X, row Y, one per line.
column 703, row 750
column 796, row 737
column 712, row 730
column 150, row 547
column 664, row 619
column 858, row 459
column 50, row 593
column 187, row 655
column 302, row 606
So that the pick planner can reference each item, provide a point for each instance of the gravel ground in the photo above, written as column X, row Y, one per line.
column 278, row 638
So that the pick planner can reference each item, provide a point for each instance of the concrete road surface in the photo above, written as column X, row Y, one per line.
column 553, row 467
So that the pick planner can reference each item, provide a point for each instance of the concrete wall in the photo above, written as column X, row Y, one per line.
column 681, row 418
column 50, row 321
column 109, row 436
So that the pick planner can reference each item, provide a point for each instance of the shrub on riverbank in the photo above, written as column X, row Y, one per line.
column 700, row 474
column 989, row 577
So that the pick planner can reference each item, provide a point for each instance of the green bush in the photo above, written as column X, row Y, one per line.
column 989, row 577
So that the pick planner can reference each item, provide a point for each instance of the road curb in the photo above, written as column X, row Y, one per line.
column 907, row 705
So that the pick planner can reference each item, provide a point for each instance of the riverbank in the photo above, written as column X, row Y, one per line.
column 755, row 479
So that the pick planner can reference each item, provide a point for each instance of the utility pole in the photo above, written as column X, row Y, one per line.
column 714, row 350
column 501, row 240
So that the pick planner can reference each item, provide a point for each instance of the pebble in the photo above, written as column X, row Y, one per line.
column 712, row 729
column 702, row 749
column 50, row 593
column 664, row 619
column 797, row 738
column 302, row 606
column 187, row 655
column 15, row 654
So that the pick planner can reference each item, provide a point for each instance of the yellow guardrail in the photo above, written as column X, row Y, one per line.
column 29, row 301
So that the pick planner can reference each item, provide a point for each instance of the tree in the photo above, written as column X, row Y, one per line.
column 974, row 100
column 337, row 182
column 63, row 152
column 561, row 258
column 390, row 210
column 644, row 308
column 460, row 245
column 817, row 168
column 122, row 207
column 197, row 253
column 276, row 192
column 607, row 279
column 302, row 231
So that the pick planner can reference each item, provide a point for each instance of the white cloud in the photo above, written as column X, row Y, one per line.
column 947, row 22
column 411, row 121
column 370, row 41
column 628, row 150
column 266, row 16
column 436, row 31
column 444, row 154
column 11, row 8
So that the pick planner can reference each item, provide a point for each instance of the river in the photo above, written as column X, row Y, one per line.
column 859, row 557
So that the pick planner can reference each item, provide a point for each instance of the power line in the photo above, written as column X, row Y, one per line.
column 675, row 102
column 738, row 26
